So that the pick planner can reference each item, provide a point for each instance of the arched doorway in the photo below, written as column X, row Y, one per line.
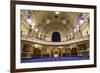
column 56, row 37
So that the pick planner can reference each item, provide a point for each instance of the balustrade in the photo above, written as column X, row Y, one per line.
column 26, row 38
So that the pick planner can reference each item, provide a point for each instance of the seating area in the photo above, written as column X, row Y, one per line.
column 69, row 58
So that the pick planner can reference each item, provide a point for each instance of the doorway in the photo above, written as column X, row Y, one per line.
column 56, row 37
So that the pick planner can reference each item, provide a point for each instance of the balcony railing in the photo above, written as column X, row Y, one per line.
column 84, row 38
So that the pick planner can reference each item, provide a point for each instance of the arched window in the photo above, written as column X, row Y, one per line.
column 56, row 37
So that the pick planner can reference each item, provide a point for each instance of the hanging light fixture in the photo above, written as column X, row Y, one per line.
column 29, row 19
column 81, row 19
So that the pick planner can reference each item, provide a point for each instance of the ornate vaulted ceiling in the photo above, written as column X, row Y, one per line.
column 48, row 22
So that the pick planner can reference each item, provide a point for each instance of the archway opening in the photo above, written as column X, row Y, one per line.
column 56, row 37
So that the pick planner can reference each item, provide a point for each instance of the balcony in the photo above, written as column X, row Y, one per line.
column 84, row 38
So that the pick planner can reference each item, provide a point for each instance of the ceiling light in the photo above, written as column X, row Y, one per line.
column 81, row 21
column 29, row 19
